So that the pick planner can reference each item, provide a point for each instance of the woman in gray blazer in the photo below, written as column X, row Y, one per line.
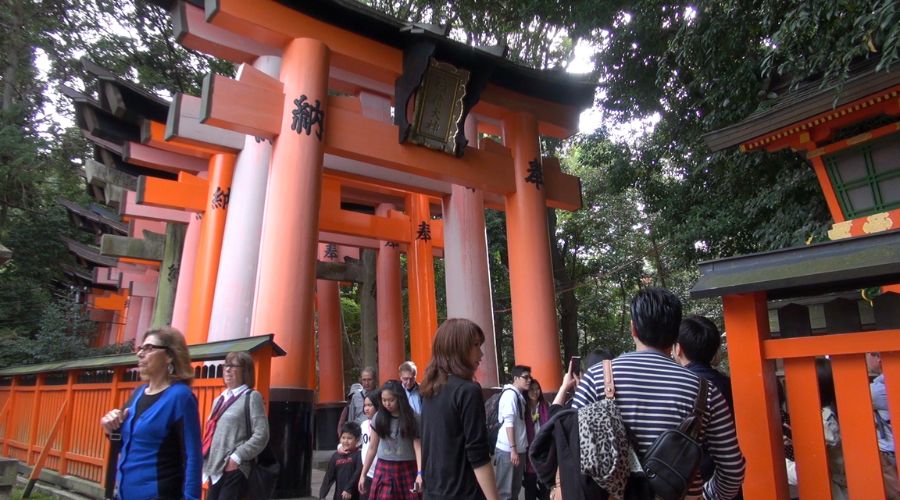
column 229, row 447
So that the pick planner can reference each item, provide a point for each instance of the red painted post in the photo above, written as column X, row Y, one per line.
column 757, row 417
column 287, row 256
column 420, row 278
column 532, row 289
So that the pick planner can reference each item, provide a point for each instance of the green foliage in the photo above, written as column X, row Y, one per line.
column 35, row 495
column 40, row 162
column 825, row 38
column 351, row 334
column 534, row 30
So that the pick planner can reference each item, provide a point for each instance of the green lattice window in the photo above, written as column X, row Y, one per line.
column 866, row 178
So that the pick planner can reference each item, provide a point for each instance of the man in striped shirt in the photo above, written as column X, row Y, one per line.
column 655, row 394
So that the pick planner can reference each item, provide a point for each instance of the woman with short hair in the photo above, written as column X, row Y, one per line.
column 159, row 425
column 229, row 446
column 456, row 462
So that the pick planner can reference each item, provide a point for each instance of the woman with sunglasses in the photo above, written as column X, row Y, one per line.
column 229, row 447
column 159, row 425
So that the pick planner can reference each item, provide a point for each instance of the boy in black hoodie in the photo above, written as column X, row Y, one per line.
column 345, row 466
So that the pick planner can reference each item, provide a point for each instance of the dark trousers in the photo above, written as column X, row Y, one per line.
column 534, row 490
column 231, row 486
column 365, row 496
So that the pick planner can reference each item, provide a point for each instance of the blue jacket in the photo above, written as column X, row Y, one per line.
column 160, row 456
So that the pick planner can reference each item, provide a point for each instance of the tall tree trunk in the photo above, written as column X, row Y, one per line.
column 565, row 286
column 15, row 32
column 624, row 313
column 657, row 259
column 368, row 310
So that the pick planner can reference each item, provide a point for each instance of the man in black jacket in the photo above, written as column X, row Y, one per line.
column 698, row 343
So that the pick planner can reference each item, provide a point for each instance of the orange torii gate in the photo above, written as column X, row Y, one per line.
column 307, row 117
column 291, row 112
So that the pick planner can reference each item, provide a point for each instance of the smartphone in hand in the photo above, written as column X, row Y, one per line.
column 575, row 365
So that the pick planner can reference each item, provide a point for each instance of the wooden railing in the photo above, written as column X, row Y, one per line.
column 63, row 408
column 31, row 410
column 754, row 356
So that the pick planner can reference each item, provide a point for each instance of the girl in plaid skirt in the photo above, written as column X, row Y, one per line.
column 394, row 439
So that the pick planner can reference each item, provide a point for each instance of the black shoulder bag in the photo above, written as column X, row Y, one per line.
column 264, row 474
column 112, row 459
column 674, row 458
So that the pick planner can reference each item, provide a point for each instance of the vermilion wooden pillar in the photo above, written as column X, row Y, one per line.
column 857, row 426
column 420, row 279
column 206, row 266
column 391, row 352
column 312, row 370
column 287, row 257
column 331, row 352
column 532, row 290
column 186, row 275
column 805, row 407
column 757, row 416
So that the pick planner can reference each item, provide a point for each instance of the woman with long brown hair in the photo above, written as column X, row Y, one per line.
column 456, row 460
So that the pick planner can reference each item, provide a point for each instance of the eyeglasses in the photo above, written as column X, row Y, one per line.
column 229, row 366
column 149, row 348
column 526, row 377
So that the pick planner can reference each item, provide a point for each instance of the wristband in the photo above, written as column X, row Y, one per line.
column 418, row 473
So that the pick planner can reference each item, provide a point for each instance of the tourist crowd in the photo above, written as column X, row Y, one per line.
column 442, row 440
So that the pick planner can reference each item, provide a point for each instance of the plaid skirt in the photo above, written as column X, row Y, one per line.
column 393, row 481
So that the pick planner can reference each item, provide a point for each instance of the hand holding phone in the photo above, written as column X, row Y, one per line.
column 575, row 365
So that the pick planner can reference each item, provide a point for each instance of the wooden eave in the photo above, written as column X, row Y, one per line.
column 94, row 217
column 807, row 107
column 134, row 102
column 99, row 122
column 368, row 46
column 82, row 276
column 112, row 159
column 356, row 17
column 89, row 254
column 847, row 264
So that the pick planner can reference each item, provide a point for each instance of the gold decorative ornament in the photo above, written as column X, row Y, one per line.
column 877, row 223
column 840, row 230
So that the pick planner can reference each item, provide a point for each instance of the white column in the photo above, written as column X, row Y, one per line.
column 232, row 310
column 467, row 272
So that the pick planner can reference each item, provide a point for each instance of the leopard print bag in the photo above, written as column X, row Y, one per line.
column 606, row 453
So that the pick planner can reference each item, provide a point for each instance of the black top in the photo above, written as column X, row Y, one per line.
column 722, row 383
column 344, row 470
column 454, row 441
column 145, row 401
column 717, row 378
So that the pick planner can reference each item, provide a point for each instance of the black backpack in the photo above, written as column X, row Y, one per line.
column 492, row 416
